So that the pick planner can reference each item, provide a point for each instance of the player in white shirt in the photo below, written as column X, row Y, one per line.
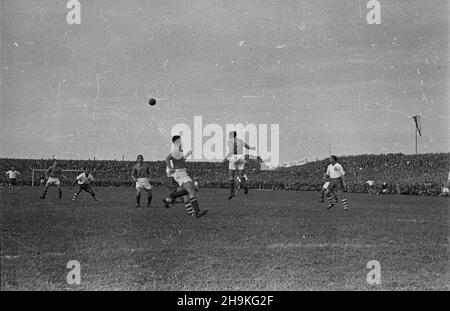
column 12, row 178
column 336, row 173
column 84, row 181
column 236, row 158
column 370, row 187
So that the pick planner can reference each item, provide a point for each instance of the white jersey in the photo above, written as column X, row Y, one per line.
column 82, row 179
column 335, row 171
column 12, row 174
column 370, row 182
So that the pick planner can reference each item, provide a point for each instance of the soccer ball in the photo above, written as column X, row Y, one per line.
column 152, row 102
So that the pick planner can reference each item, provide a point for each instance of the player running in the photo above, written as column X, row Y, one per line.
column 12, row 178
column 336, row 174
column 84, row 181
column 176, row 162
column 236, row 159
column 141, row 176
column 53, row 175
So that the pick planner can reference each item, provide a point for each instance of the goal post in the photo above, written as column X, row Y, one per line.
column 38, row 173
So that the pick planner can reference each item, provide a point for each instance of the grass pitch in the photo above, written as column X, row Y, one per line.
column 267, row 240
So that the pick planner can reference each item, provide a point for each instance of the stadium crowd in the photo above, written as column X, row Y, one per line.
column 423, row 174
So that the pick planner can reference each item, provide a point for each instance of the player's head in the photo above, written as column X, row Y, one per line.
column 86, row 170
column 176, row 139
column 233, row 134
column 140, row 158
column 333, row 159
column 54, row 163
column 12, row 168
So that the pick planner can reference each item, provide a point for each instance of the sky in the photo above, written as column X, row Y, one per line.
column 316, row 68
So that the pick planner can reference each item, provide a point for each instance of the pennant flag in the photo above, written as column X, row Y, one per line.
column 417, row 122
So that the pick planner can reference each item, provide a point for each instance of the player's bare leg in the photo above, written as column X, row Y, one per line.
column 59, row 191
column 243, row 181
column 149, row 197
column 44, row 193
column 231, row 184
column 322, row 195
column 138, row 197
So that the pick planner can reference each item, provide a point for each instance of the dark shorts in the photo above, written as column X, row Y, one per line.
column 12, row 181
column 86, row 187
column 336, row 185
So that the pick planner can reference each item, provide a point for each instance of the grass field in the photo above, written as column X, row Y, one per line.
column 267, row 240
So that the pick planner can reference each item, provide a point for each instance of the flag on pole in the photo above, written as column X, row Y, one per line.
column 417, row 122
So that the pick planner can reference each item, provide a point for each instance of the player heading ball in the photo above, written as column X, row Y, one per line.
column 176, row 162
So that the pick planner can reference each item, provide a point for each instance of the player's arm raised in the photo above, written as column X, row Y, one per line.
column 249, row 147
column 189, row 153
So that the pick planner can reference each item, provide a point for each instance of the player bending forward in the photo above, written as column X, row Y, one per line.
column 176, row 162
column 141, row 176
column 84, row 181
column 53, row 175
column 236, row 157
column 337, row 183
column 12, row 178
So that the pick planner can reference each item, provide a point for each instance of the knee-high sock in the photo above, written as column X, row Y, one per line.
column 75, row 196
column 189, row 209
column 195, row 206
column 60, row 193
column 344, row 201
column 231, row 185
column 138, row 198
column 330, row 200
column 44, row 193
column 149, row 198
column 244, row 183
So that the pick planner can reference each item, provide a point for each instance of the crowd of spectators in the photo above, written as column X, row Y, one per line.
column 423, row 174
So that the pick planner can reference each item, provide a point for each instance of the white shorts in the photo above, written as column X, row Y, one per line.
column 237, row 162
column 53, row 181
column 325, row 185
column 143, row 183
column 181, row 176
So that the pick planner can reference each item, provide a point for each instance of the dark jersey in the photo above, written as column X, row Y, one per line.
column 179, row 164
column 54, row 172
column 141, row 170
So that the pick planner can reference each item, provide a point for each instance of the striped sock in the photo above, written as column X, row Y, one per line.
column 330, row 201
column 189, row 209
column 344, row 202
column 231, row 187
column 195, row 206
column 75, row 196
